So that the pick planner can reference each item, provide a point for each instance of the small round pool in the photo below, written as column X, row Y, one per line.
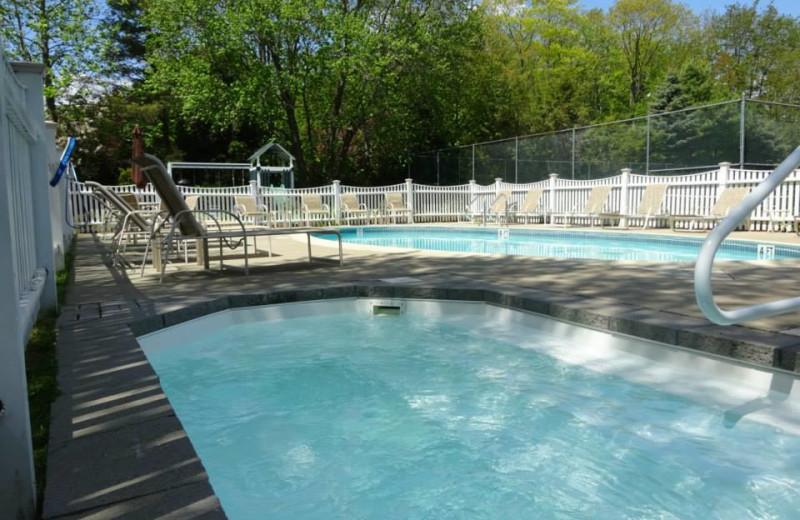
column 599, row 245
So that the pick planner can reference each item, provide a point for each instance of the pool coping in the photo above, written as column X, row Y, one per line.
column 760, row 348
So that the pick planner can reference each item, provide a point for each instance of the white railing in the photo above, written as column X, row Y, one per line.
column 705, row 259
column 687, row 195
column 27, row 283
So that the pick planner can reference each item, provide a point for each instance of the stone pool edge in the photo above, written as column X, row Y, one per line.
column 762, row 348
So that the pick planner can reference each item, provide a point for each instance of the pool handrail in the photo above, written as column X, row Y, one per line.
column 705, row 260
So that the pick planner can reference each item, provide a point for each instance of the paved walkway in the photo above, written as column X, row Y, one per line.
column 118, row 451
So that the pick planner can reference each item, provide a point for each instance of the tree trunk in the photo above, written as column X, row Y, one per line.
column 289, row 103
column 49, row 98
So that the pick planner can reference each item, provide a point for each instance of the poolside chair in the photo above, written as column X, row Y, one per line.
column 728, row 199
column 591, row 210
column 131, row 222
column 502, row 207
column 649, row 207
column 313, row 208
column 131, row 200
column 185, row 226
column 395, row 206
column 250, row 211
column 352, row 210
column 532, row 206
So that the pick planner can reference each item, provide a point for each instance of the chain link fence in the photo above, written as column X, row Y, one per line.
column 748, row 133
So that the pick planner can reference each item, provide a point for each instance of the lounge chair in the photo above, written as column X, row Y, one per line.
column 532, row 206
column 313, row 208
column 352, row 210
column 395, row 206
column 591, row 210
column 728, row 199
column 130, row 221
column 184, row 225
column 251, row 212
column 649, row 207
column 502, row 207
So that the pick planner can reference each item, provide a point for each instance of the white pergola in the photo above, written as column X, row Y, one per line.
column 206, row 166
column 257, row 171
column 261, row 173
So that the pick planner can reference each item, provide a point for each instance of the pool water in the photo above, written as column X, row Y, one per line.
column 351, row 416
column 557, row 243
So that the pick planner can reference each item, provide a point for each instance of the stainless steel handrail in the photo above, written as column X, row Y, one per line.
column 705, row 260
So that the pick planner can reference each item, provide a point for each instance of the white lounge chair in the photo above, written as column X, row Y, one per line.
column 729, row 198
column 649, row 207
column 250, row 211
column 532, row 206
column 502, row 208
column 591, row 210
column 352, row 210
column 396, row 206
column 314, row 208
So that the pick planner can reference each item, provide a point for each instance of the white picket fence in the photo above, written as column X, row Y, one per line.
column 687, row 195
column 31, row 238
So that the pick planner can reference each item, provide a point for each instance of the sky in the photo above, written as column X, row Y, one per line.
column 790, row 7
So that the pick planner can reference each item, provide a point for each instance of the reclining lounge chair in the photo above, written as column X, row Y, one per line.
column 532, row 206
column 395, row 206
column 592, row 210
column 352, row 210
column 649, row 207
column 186, row 227
column 728, row 199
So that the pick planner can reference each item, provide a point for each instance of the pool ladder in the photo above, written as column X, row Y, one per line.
column 705, row 260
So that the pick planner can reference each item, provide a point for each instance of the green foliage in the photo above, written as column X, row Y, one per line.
column 756, row 51
column 63, row 275
column 60, row 35
column 353, row 89
column 124, row 177
column 124, row 37
column 648, row 30
column 41, row 368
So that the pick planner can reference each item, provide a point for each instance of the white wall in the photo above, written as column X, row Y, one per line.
column 27, row 265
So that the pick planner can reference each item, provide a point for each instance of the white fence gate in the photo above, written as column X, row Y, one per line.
column 27, row 282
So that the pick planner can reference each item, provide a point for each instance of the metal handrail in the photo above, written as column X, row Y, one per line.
column 705, row 260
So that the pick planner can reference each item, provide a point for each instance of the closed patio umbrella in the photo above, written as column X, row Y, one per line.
column 138, row 176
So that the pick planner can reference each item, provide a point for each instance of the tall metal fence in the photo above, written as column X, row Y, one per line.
column 749, row 133
column 687, row 194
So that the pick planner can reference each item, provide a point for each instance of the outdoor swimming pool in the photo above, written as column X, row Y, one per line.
column 466, row 410
column 559, row 243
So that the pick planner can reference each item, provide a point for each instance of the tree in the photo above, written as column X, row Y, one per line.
column 647, row 29
column 60, row 35
column 701, row 137
column 757, row 53
column 325, row 76
column 124, row 34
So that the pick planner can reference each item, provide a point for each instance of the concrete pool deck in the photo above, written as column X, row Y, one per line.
column 118, row 451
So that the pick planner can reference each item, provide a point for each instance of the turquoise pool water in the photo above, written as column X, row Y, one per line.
column 556, row 243
column 349, row 416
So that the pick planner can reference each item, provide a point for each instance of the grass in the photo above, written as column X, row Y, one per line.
column 63, row 276
column 41, row 369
